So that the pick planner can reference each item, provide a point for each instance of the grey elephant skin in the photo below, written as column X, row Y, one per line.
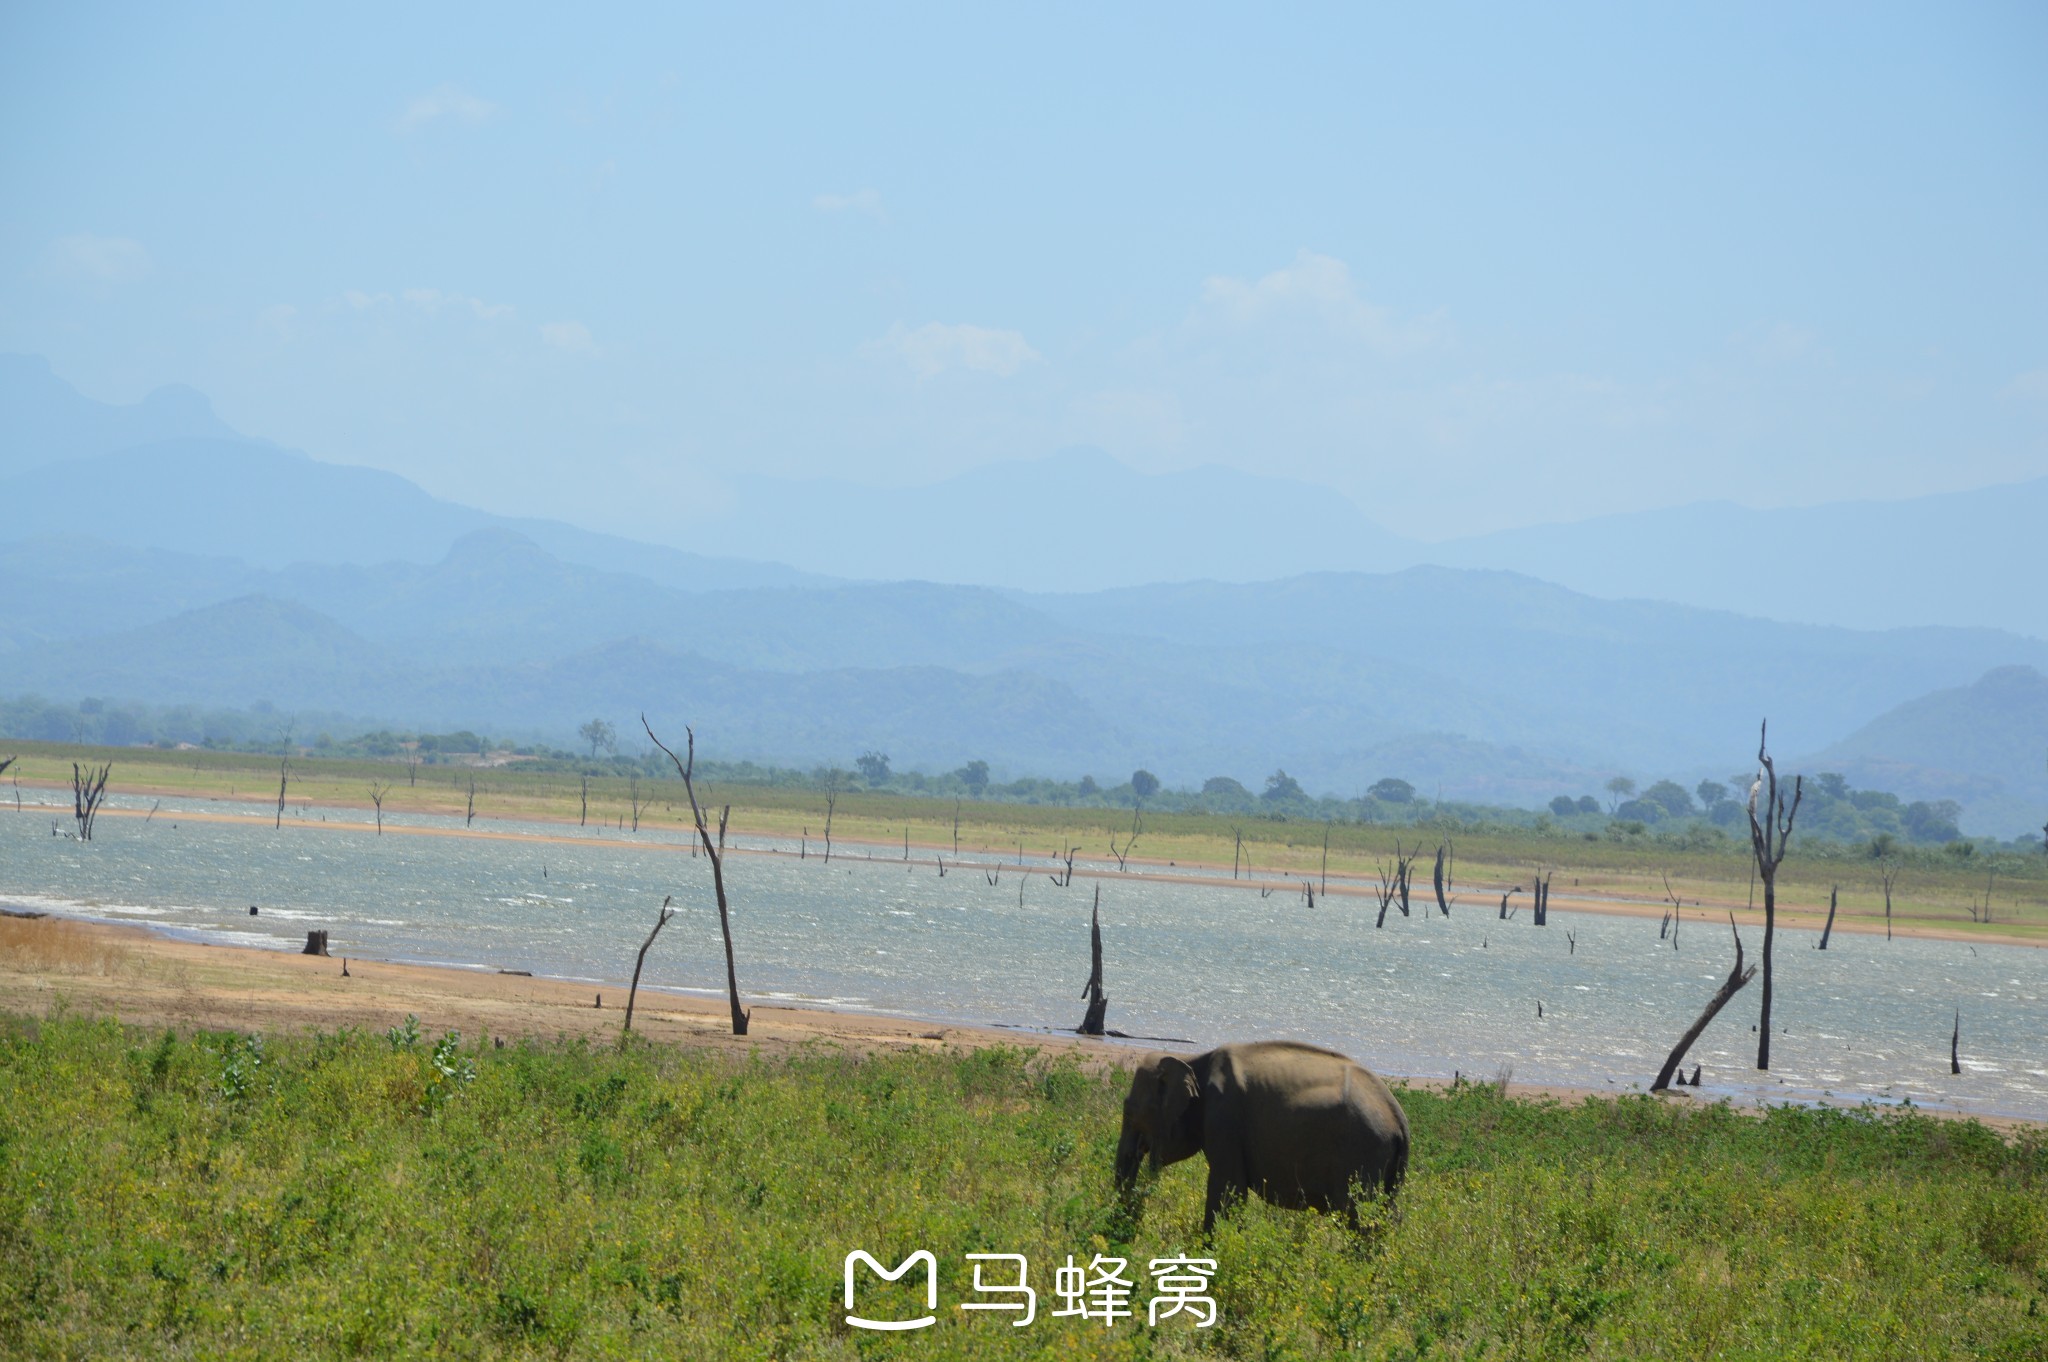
column 1297, row 1124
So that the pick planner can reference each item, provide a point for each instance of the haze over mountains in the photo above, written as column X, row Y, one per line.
column 148, row 553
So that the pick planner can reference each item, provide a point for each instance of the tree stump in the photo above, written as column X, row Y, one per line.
column 316, row 943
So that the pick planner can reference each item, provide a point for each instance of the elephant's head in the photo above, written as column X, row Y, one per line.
column 1162, row 1117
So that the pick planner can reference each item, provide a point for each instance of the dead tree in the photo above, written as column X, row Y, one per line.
column 1098, row 1001
column 284, row 775
column 1237, row 852
column 717, row 857
column 660, row 921
column 378, row 789
column 1677, row 911
column 1767, row 838
column 1326, row 864
column 1407, row 867
column 1542, row 905
column 1834, row 894
column 633, row 794
column 583, row 817
column 88, row 790
column 1888, row 873
column 1504, row 901
column 1441, row 876
column 1124, row 856
column 1065, row 878
column 1389, row 887
column 956, row 830
column 7, row 763
column 831, row 802
column 316, row 943
column 1955, row 1045
column 469, row 816
column 412, row 765
column 1732, row 985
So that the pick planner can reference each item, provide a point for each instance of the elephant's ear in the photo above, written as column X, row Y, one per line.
column 1179, row 1110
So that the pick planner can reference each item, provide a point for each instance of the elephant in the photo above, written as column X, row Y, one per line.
column 1298, row 1124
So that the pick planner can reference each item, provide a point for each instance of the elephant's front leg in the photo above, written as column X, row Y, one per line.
column 1223, row 1191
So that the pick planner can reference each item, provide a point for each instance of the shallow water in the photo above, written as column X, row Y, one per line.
column 1866, row 1020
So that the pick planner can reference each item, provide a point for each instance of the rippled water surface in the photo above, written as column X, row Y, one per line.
column 1867, row 1019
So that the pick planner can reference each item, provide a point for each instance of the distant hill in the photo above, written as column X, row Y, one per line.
column 1488, row 684
column 44, row 420
column 1969, row 558
column 272, row 507
column 1984, row 745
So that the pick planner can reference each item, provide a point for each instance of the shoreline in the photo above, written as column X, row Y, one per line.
column 146, row 977
column 1713, row 911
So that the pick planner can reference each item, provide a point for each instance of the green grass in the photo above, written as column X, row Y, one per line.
column 217, row 1196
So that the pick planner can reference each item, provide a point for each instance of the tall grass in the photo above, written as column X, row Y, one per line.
column 370, row 1193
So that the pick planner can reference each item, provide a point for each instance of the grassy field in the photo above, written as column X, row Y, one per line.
column 222, row 1195
column 1933, row 888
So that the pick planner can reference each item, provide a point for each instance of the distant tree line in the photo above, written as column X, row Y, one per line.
column 1708, row 815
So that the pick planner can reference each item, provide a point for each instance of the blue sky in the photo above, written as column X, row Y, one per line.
column 1473, row 267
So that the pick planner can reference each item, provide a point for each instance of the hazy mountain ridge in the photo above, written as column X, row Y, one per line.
column 1984, row 745
column 1496, row 684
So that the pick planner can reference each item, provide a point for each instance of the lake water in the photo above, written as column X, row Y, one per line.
column 1866, row 1020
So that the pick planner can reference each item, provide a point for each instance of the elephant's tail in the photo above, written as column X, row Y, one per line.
column 1397, row 1169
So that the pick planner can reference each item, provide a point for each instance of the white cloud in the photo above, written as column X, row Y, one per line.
column 1318, row 288
column 935, row 347
column 278, row 320
column 99, row 259
column 866, row 202
column 432, row 301
column 573, row 336
column 2033, row 383
column 446, row 101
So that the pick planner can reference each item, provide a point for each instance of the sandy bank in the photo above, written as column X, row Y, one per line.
column 144, row 978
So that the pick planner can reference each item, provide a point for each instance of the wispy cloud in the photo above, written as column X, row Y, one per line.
column 1316, row 289
column 866, row 202
column 446, row 101
column 935, row 347
column 433, row 301
column 2033, row 383
column 98, row 259
column 572, row 336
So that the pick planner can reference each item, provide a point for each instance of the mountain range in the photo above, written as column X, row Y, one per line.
column 198, row 566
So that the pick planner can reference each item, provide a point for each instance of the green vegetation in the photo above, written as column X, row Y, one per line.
column 368, row 1193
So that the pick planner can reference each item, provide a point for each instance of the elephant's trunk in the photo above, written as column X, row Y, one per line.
column 1130, row 1151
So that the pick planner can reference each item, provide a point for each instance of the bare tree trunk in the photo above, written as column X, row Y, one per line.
column 1326, row 864
column 1767, row 839
column 956, row 829
column 715, row 853
column 831, row 802
column 378, row 789
column 660, row 921
column 469, row 818
column 1834, row 893
column 88, row 790
column 633, row 794
column 1237, row 852
column 1407, row 866
column 583, row 816
column 1440, row 877
column 284, row 775
column 316, row 943
column 1889, row 872
column 1732, row 985
column 1098, row 1001
column 1955, row 1045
